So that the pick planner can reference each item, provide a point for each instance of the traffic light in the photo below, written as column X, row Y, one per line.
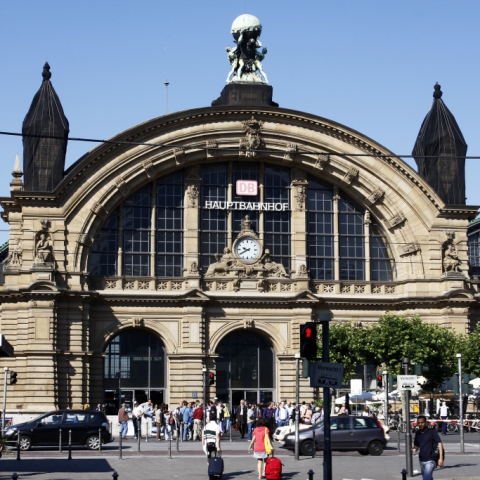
column 392, row 379
column 467, row 388
column 308, row 341
column 420, row 369
column 456, row 388
column 211, row 378
column 305, row 368
column 13, row 377
column 380, row 381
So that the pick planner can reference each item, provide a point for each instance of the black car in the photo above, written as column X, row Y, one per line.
column 363, row 434
column 45, row 429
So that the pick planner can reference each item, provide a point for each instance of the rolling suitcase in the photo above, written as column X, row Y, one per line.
column 215, row 468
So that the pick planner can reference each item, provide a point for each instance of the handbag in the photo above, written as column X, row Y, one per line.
column 268, row 449
column 436, row 452
column 235, row 426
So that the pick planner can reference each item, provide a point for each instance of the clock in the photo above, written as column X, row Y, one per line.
column 247, row 249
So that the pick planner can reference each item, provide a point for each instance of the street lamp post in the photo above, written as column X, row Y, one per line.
column 408, row 434
column 460, row 402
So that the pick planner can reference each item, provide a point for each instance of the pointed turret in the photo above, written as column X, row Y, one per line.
column 44, row 158
column 16, row 183
column 440, row 152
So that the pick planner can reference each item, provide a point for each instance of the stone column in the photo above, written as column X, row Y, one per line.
column 299, row 186
column 191, row 218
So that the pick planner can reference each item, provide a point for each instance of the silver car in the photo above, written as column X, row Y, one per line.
column 363, row 434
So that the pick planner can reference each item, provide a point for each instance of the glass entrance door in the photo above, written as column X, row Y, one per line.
column 112, row 402
column 259, row 397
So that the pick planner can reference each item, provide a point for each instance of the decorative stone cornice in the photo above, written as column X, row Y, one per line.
column 351, row 175
column 396, row 220
column 409, row 249
column 376, row 195
column 289, row 155
column 123, row 188
column 149, row 168
column 99, row 210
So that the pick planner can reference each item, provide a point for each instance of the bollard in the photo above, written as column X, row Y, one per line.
column 404, row 474
column 69, row 445
column 59, row 440
column 398, row 441
column 18, row 445
column 100, row 440
column 178, row 441
column 170, row 446
column 310, row 474
column 314, row 448
column 146, row 428
column 14, row 476
column 115, row 475
column 120, row 447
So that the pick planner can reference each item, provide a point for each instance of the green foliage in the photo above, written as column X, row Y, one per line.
column 469, row 347
column 396, row 337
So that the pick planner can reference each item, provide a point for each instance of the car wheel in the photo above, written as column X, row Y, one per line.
column 25, row 443
column 375, row 448
column 451, row 427
column 93, row 442
column 363, row 452
column 306, row 448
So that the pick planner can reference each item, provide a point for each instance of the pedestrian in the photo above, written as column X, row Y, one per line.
column 211, row 437
column 317, row 417
column 261, row 435
column 137, row 414
column 344, row 410
column 366, row 412
column 220, row 416
column 197, row 422
column 281, row 415
column 159, row 420
column 226, row 414
column 98, row 408
column 169, row 424
column 291, row 410
column 123, row 421
column 428, row 442
column 242, row 417
column 251, row 420
column 444, row 413
column 307, row 416
column 269, row 416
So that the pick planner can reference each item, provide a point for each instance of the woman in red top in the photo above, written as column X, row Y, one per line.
column 259, row 452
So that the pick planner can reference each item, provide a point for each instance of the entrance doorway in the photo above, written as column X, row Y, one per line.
column 134, row 369
column 245, row 369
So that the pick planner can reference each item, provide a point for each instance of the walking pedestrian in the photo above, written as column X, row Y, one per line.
column 159, row 420
column 251, row 420
column 444, row 413
column 307, row 416
column 169, row 424
column 123, row 421
column 317, row 417
column 428, row 442
column 261, row 434
column 197, row 422
column 269, row 416
column 137, row 414
column 281, row 415
column 242, row 417
column 211, row 437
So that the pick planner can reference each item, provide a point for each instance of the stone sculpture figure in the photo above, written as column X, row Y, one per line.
column 451, row 262
column 272, row 268
column 222, row 265
column 44, row 249
column 244, row 58
column 15, row 256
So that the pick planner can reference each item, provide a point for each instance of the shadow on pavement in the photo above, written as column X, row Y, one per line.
column 48, row 465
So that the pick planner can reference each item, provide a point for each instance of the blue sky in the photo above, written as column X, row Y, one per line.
column 370, row 65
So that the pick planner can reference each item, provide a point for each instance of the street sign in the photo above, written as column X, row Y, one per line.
column 407, row 382
column 356, row 387
column 323, row 374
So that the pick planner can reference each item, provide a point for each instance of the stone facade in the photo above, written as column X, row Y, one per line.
column 60, row 319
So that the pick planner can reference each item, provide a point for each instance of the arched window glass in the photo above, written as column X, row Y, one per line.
column 103, row 260
column 169, row 227
column 382, row 265
column 320, row 230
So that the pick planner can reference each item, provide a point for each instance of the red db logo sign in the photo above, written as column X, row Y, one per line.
column 247, row 187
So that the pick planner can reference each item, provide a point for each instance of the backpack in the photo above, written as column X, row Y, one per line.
column 435, row 451
column 273, row 469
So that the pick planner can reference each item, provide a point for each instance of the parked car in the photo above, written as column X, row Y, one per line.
column 280, row 432
column 363, row 434
column 45, row 429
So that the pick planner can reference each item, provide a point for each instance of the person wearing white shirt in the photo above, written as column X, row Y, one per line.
column 137, row 414
column 281, row 415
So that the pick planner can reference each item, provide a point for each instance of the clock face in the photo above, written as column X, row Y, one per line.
column 247, row 249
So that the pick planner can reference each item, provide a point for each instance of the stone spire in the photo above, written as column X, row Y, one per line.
column 16, row 183
column 440, row 152
column 44, row 158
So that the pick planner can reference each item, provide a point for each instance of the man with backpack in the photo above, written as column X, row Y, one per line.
column 430, row 446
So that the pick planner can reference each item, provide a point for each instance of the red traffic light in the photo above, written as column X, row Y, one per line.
column 308, row 333
column 211, row 379
column 379, row 378
column 212, row 375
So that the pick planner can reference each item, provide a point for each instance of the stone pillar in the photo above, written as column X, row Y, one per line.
column 191, row 212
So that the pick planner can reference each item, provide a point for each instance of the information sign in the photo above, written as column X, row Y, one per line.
column 323, row 374
column 407, row 382
column 356, row 387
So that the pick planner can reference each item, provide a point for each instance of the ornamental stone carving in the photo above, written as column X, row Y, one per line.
column 248, row 323
column 137, row 322
column 409, row 248
column 84, row 239
column 302, row 271
column 252, row 140
column 193, row 269
column 211, row 144
column 351, row 175
column 289, row 155
column 15, row 254
column 376, row 195
column 179, row 154
column 397, row 220
column 43, row 249
column 301, row 196
column 149, row 168
column 366, row 219
column 193, row 192
column 451, row 262
column 321, row 160
column 45, row 223
column 123, row 188
column 99, row 210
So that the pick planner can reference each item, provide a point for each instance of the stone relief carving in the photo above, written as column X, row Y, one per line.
column 123, row 188
column 397, row 219
column 302, row 271
column 262, row 285
column 137, row 322
column 351, row 175
column 193, row 269
column 236, row 284
column 366, row 219
column 14, row 259
column 193, row 191
column 211, row 144
column 252, row 140
column 410, row 248
column 43, row 248
column 300, row 196
column 149, row 168
column 321, row 160
column 99, row 210
column 179, row 154
column 45, row 223
column 451, row 263
column 84, row 239
column 290, row 153
column 248, row 323
column 376, row 195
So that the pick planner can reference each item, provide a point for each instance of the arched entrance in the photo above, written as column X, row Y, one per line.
column 134, row 369
column 245, row 368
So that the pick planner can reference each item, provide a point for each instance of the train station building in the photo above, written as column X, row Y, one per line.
column 201, row 240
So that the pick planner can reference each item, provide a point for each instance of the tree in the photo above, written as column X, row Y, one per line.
column 469, row 347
